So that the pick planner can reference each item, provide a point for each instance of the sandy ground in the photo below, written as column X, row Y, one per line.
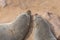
column 14, row 7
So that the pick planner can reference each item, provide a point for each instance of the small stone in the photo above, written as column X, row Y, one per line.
column 3, row 3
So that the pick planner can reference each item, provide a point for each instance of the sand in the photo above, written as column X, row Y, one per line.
column 13, row 8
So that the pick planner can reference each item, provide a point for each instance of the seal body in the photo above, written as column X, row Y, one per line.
column 16, row 30
column 42, row 29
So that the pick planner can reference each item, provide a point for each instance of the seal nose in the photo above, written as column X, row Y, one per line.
column 36, row 14
column 38, row 17
column 29, row 12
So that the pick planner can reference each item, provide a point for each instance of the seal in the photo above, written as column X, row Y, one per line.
column 42, row 29
column 18, row 29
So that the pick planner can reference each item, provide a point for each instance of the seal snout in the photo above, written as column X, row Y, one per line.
column 28, row 12
column 38, row 16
